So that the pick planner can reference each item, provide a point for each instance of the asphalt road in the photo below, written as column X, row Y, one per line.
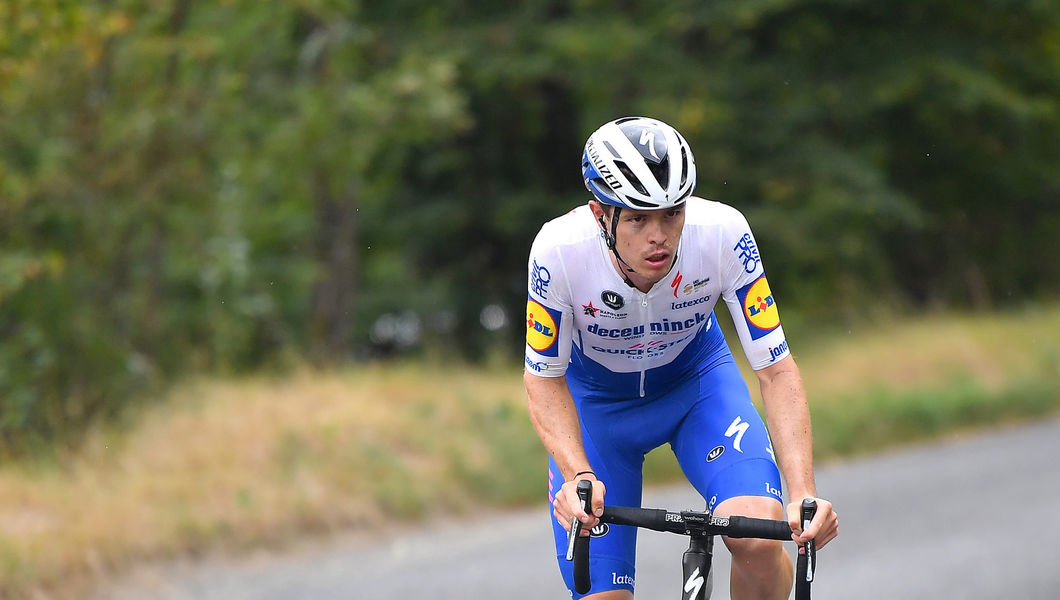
column 974, row 517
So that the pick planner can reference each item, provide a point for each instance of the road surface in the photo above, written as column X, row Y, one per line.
column 974, row 517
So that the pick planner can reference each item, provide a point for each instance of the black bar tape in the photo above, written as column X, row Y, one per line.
column 648, row 518
column 749, row 527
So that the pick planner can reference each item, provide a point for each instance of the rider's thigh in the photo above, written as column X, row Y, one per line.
column 761, row 507
column 611, row 595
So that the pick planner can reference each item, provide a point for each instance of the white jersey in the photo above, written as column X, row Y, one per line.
column 584, row 321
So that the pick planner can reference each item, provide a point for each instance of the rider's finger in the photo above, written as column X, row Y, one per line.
column 818, row 526
column 598, row 498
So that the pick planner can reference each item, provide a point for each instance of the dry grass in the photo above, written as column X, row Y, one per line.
column 256, row 461
column 932, row 351
column 260, row 461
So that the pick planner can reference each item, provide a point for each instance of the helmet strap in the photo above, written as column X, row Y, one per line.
column 611, row 239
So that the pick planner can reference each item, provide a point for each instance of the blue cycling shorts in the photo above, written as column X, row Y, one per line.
column 714, row 431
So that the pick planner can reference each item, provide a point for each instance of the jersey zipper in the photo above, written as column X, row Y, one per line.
column 647, row 321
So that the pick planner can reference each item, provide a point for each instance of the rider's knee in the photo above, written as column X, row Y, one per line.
column 756, row 554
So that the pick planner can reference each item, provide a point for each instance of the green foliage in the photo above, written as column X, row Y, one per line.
column 884, row 417
column 222, row 186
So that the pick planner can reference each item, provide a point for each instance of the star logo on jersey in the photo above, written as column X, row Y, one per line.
column 590, row 310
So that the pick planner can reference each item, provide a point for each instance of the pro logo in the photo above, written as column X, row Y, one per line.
column 540, row 277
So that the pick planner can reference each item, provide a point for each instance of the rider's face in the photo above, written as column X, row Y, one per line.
column 647, row 240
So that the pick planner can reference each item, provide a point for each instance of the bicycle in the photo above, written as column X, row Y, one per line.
column 701, row 527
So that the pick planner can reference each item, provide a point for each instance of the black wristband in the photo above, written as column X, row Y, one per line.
column 584, row 472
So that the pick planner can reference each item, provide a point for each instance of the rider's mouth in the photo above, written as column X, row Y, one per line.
column 658, row 259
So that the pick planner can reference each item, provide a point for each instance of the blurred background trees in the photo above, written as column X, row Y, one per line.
column 215, row 187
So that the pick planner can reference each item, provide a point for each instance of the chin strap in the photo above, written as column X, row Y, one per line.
column 611, row 239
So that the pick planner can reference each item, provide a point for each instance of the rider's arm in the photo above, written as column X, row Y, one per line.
column 555, row 419
column 755, row 314
column 550, row 326
column 788, row 419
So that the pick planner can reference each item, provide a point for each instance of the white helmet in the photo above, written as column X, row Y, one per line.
column 638, row 163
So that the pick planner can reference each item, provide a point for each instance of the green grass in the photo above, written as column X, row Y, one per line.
column 233, row 464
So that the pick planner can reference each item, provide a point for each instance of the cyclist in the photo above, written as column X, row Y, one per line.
column 623, row 354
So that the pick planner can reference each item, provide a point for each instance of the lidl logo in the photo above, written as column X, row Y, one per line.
column 542, row 327
column 759, row 307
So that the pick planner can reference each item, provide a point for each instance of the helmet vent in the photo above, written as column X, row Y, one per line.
column 684, row 167
column 628, row 174
column 603, row 188
column 661, row 171
column 640, row 203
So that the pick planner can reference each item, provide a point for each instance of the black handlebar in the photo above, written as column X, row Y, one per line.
column 691, row 523
column 581, row 543
column 807, row 560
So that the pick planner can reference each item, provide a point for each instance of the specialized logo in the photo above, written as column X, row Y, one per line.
column 647, row 138
column 694, row 583
column 599, row 531
column 539, row 280
column 715, row 453
column 676, row 283
column 542, row 328
column 759, row 307
column 748, row 253
column 737, row 428
column 612, row 299
column 601, row 168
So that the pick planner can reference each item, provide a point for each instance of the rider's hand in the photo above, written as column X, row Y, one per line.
column 823, row 528
column 568, row 505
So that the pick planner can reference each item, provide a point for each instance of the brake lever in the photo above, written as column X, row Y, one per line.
column 809, row 509
column 585, row 494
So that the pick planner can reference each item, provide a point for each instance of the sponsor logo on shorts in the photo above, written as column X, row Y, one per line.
column 715, row 453
column 772, row 491
column 623, row 579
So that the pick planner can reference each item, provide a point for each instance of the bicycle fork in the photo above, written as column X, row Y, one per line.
column 698, row 578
